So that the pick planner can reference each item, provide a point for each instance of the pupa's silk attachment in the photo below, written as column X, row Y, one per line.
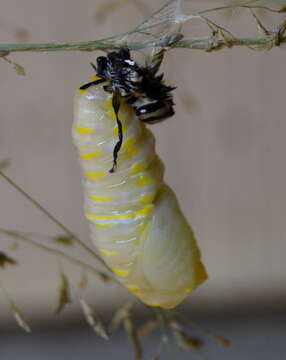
column 135, row 220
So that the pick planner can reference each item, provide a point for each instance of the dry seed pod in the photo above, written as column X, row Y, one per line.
column 135, row 220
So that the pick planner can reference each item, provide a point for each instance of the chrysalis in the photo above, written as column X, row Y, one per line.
column 135, row 220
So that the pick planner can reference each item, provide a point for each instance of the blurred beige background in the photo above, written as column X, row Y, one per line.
column 224, row 154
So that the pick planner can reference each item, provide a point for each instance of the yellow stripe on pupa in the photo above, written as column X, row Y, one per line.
column 106, row 218
column 147, row 199
column 90, row 156
column 137, row 167
column 133, row 288
column 82, row 91
column 144, row 180
column 84, row 130
column 96, row 175
column 130, row 148
column 101, row 198
column 128, row 144
column 104, row 226
column 145, row 211
column 94, row 78
column 108, row 253
column 132, row 152
column 120, row 272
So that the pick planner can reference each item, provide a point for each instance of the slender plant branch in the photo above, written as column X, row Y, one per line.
column 52, row 218
column 220, row 44
column 278, row 11
column 194, row 44
column 19, row 236
column 118, row 41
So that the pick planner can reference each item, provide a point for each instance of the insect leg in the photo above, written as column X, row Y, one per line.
column 156, row 61
column 94, row 67
column 92, row 83
column 116, row 106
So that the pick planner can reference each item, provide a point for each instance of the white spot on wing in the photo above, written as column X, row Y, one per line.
column 129, row 62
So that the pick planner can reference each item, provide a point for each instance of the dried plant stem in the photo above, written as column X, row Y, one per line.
column 194, row 44
column 52, row 218
column 116, row 42
column 277, row 11
column 220, row 44
column 19, row 236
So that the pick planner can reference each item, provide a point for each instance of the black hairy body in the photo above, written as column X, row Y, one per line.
column 143, row 89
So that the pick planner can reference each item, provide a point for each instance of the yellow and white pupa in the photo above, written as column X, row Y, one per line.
column 135, row 220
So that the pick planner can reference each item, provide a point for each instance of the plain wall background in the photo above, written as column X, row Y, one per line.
column 224, row 154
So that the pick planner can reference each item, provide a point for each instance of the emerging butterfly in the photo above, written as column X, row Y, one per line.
column 145, row 91
column 135, row 220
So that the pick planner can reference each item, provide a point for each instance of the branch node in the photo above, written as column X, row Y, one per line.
column 220, row 37
column 278, row 33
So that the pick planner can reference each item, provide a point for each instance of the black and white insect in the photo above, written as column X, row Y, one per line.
column 144, row 90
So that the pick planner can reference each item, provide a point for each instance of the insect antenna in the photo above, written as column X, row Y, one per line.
column 92, row 83
column 93, row 66
column 116, row 106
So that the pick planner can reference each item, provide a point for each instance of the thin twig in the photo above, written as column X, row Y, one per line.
column 262, row 29
column 52, row 218
column 19, row 236
column 199, row 44
column 266, row 8
column 194, row 44
column 116, row 42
